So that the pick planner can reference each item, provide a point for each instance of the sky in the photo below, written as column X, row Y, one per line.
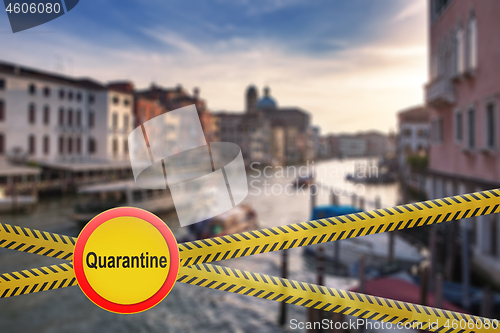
column 352, row 64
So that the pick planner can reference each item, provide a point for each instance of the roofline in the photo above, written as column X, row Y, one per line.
column 23, row 71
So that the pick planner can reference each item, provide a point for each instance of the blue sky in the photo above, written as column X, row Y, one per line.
column 342, row 60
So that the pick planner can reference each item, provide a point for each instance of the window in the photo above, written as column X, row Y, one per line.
column 46, row 91
column 472, row 43
column 125, row 121
column 490, row 126
column 92, row 146
column 70, row 95
column 46, row 115
column 440, row 5
column 125, row 146
column 116, row 100
column 78, row 145
column 407, row 132
column 70, row 145
column 2, row 144
column 31, row 145
column 459, row 51
column 32, row 89
column 441, row 129
column 115, row 146
column 31, row 114
column 458, row 126
column 2, row 110
column 61, row 116
column 437, row 130
column 79, row 118
column 78, row 96
column 70, row 117
column 46, row 145
column 115, row 121
column 61, row 145
column 61, row 94
column 2, row 84
column 471, row 128
column 91, row 98
column 91, row 119
column 421, row 133
column 126, row 102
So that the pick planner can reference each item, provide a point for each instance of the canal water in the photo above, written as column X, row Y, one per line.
column 187, row 308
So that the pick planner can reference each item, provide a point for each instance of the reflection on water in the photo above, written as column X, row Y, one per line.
column 187, row 308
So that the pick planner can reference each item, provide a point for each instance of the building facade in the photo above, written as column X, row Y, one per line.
column 413, row 138
column 52, row 118
column 463, row 95
column 267, row 133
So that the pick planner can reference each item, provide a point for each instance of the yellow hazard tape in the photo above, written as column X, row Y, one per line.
column 330, row 299
column 274, row 239
column 37, row 279
column 35, row 241
column 341, row 227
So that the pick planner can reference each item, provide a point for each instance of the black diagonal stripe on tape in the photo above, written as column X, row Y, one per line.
column 446, row 201
column 273, row 231
column 62, row 283
column 350, row 233
column 474, row 196
column 10, row 244
column 249, row 291
column 475, row 212
column 354, row 312
column 196, row 244
column 350, row 218
column 436, row 203
column 359, row 216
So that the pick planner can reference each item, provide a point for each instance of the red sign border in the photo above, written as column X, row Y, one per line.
column 82, row 241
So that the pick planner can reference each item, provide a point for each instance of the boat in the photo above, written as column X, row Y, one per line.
column 239, row 219
column 16, row 202
column 373, row 247
column 94, row 199
column 381, row 173
column 301, row 181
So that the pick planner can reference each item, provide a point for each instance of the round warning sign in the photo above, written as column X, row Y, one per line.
column 126, row 260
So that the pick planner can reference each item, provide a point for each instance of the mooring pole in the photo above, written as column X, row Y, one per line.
column 284, row 275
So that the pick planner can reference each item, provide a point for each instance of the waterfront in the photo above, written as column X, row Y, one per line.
column 187, row 308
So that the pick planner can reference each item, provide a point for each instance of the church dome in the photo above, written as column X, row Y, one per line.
column 267, row 102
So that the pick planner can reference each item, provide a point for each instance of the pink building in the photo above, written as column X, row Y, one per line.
column 463, row 95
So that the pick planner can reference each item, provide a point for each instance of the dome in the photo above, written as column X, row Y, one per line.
column 267, row 102
column 251, row 90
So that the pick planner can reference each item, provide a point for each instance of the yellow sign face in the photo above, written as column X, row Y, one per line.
column 126, row 260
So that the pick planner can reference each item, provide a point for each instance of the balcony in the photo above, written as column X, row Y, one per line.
column 440, row 93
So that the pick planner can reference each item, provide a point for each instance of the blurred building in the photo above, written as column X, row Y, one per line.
column 352, row 145
column 362, row 144
column 463, row 95
column 267, row 133
column 377, row 143
column 413, row 128
column 167, row 99
column 315, row 135
column 252, row 132
column 47, row 117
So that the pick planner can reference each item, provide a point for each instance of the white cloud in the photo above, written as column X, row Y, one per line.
column 353, row 89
